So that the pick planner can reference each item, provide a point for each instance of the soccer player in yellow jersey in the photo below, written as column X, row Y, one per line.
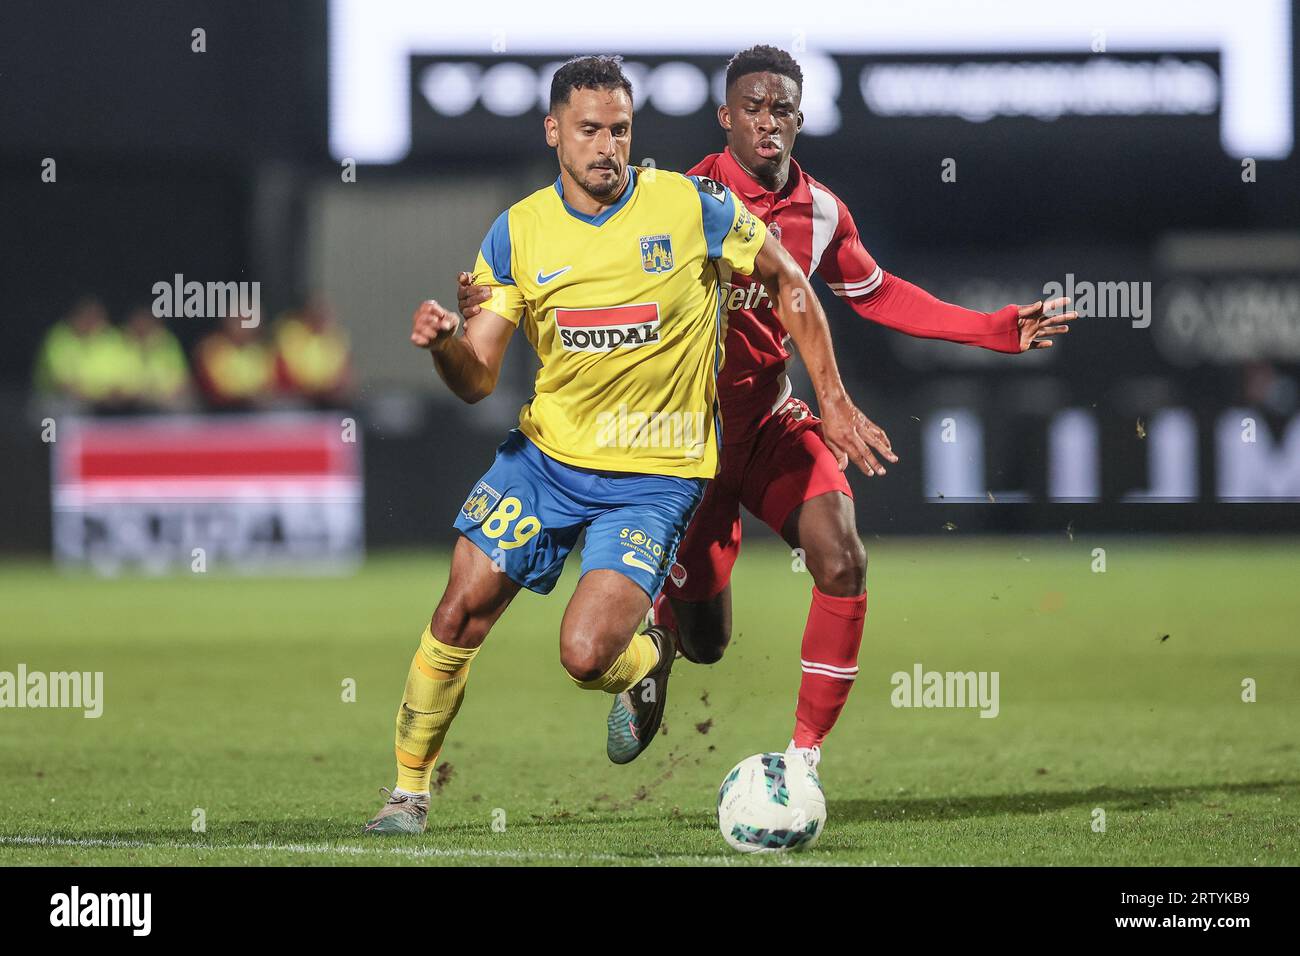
column 616, row 274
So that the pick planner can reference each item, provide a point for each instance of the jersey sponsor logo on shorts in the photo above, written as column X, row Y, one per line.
column 607, row 329
column 657, row 253
column 480, row 502
column 632, row 560
column 795, row 409
column 644, row 551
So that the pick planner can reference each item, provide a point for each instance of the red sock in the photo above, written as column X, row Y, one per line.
column 663, row 612
column 830, row 663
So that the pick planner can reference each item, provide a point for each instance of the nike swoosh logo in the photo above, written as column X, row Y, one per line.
column 632, row 560
column 543, row 279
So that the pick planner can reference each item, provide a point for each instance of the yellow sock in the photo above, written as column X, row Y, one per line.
column 637, row 660
column 435, row 686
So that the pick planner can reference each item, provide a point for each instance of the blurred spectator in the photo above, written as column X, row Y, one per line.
column 85, row 359
column 1265, row 387
column 234, row 367
column 161, row 377
column 312, row 355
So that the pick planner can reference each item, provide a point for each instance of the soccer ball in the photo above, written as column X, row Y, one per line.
column 768, row 804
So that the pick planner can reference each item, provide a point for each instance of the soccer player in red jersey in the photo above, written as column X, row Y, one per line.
column 775, row 460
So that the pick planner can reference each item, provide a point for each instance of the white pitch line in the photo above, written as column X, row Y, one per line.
column 321, row 848
column 403, row 851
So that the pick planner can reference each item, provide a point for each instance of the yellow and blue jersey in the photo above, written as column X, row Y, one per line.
column 624, row 311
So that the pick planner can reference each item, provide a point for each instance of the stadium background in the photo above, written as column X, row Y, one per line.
column 228, row 165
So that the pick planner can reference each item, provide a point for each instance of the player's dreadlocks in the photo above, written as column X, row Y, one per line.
column 590, row 73
column 764, row 59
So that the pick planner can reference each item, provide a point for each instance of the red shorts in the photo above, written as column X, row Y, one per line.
column 781, row 467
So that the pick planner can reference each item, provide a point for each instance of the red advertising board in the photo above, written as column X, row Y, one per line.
column 242, row 492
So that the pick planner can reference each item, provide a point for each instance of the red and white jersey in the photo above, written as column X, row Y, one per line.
column 818, row 231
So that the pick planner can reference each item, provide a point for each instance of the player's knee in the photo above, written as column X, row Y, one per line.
column 583, row 670
column 842, row 571
column 452, row 623
column 582, row 661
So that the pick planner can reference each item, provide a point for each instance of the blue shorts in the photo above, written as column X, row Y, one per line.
column 526, row 514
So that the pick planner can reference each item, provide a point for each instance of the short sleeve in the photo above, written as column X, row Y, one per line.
column 732, row 232
column 492, row 269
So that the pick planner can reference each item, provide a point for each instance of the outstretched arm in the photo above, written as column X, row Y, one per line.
column 888, row 300
column 848, row 432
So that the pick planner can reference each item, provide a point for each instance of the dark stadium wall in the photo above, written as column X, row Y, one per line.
column 155, row 146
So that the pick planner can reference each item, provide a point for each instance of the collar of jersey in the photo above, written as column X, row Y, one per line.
column 600, row 218
column 796, row 187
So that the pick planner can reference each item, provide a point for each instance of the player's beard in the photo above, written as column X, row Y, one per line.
column 598, row 187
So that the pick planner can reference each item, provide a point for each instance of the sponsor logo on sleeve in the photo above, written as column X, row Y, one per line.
column 746, row 225
column 711, row 187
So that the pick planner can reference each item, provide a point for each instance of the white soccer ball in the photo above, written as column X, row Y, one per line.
column 768, row 804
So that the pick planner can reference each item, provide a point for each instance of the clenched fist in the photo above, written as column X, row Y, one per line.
column 432, row 326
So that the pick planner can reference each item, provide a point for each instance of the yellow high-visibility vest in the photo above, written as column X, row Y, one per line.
column 315, row 360
column 237, row 371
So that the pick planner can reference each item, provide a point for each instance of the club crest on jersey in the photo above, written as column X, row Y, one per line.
column 480, row 502
column 656, row 253
column 607, row 329
column 775, row 229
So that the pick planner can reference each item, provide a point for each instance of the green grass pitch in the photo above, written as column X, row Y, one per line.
column 1119, row 691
